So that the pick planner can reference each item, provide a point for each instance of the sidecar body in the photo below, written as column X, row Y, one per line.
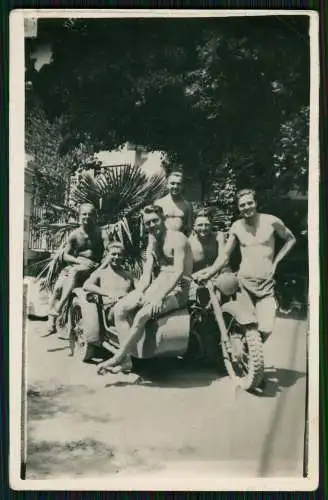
column 92, row 328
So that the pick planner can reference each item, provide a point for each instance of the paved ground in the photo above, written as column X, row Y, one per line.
column 80, row 424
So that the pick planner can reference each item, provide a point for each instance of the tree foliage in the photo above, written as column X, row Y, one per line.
column 52, row 170
column 215, row 94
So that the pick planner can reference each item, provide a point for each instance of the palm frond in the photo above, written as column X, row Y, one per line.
column 50, row 273
column 119, row 195
column 121, row 192
column 87, row 191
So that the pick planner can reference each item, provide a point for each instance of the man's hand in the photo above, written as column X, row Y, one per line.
column 203, row 275
column 156, row 306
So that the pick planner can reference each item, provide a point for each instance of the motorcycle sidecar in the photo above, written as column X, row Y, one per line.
column 91, row 329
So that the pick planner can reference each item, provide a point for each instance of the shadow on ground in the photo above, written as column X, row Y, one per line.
column 277, row 379
column 175, row 374
column 48, row 458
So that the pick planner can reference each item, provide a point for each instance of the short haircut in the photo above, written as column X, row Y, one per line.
column 245, row 192
column 150, row 209
column 204, row 212
column 87, row 205
column 117, row 245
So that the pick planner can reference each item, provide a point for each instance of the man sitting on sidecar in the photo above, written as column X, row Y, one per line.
column 80, row 257
column 163, row 287
column 111, row 281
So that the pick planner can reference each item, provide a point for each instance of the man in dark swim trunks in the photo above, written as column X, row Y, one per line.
column 256, row 234
column 82, row 255
column 163, row 287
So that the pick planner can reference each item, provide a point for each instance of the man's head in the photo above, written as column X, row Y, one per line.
column 88, row 216
column 153, row 219
column 115, row 255
column 202, row 224
column 247, row 205
column 174, row 183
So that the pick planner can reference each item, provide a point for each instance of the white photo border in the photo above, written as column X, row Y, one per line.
column 177, row 482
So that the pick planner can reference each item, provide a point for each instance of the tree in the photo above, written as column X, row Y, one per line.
column 214, row 94
column 52, row 171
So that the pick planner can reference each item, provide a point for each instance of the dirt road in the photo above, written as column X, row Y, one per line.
column 83, row 425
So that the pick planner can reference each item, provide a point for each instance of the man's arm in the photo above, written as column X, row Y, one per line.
column 145, row 280
column 105, row 241
column 189, row 218
column 68, row 254
column 221, row 240
column 92, row 284
column 286, row 235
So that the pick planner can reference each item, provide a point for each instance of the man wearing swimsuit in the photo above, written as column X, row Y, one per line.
column 82, row 255
column 206, row 246
column 256, row 234
column 177, row 211
column 163, row 287
column 111, row 281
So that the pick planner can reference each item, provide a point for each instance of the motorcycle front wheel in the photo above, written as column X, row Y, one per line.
column 243, row 353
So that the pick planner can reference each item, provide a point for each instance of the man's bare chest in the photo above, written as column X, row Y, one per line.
column 86, row 241
column 174, row 208
column 261, row 234
column 206, row 250
column 115, row 280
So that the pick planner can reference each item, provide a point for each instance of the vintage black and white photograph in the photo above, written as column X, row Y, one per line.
column 166, row 174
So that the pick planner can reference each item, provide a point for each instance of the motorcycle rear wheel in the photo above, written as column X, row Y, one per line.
column 247, row 368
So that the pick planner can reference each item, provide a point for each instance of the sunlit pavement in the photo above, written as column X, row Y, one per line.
column 86, row 425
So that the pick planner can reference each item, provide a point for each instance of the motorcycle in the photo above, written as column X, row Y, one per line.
column 213, row 324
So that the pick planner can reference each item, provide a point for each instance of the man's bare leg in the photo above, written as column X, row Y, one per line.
column 68, row 286
column 123, row 313
column 266, row 315
column 53, row 314
column 121, row 360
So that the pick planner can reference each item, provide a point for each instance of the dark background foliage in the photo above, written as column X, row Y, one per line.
column 215, row 94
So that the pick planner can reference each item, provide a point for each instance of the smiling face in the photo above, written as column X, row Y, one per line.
column 247, row 205
column 87, row 215
column 154, row 224
column 115, row 256
column 202, row 226
column 174, row 184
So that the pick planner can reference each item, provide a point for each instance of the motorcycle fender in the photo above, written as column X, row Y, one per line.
column 242, row 315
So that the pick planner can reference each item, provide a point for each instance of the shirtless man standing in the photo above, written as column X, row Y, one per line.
column 177, row 211
column 82, row 255
column 163, row 287
column 255, row 233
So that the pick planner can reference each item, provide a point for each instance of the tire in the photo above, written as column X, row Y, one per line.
column 81, row 321
column 248, row 368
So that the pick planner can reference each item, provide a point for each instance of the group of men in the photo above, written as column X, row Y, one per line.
column 180, row 247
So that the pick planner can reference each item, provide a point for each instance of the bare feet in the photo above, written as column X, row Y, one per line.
column 110, row 367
